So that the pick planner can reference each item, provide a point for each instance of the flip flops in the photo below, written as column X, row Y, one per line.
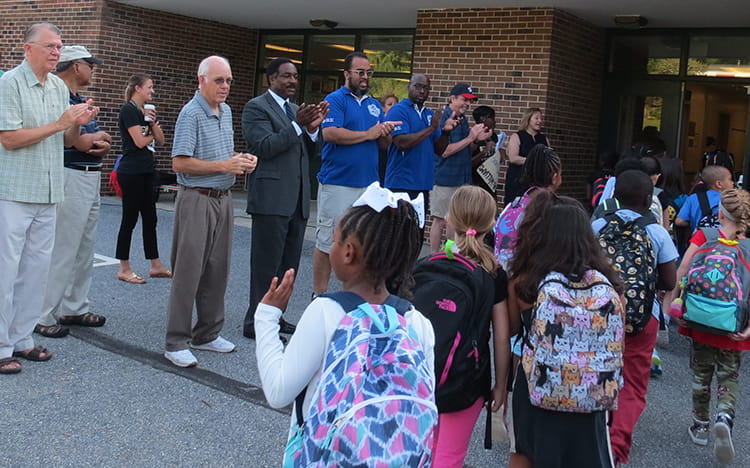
column 162, row 274
column 84, row 320
column 5, row 367
column 37, row 353
column 132, row 278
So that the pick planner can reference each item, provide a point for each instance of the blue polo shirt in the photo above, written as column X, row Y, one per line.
column 454, row 170
column 413, row 169
column 350, row 165
column 72, row 155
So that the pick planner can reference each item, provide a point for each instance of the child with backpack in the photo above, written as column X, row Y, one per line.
column 700, row 209
column 360, row 368
column 463, row 294
column 716, row 351
column 569, row 300
column 542, row 169
column 644, row 255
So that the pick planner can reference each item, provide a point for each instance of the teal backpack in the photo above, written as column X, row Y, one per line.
column 717, row 285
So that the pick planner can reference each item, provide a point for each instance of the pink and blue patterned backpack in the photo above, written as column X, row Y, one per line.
column 718, row 285
column 506, row 228
column 374, row 405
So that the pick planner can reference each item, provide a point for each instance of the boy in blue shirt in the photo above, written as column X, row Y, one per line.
column 634, row 190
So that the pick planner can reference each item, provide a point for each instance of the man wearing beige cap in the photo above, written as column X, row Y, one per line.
column 66, row 299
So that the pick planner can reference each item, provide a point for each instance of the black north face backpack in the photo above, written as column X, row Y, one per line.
column 457, row 296
column 629, row 248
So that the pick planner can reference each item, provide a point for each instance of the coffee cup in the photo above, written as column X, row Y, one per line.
column 148, row 107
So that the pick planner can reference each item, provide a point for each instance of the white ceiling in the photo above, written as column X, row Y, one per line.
column 295, row 14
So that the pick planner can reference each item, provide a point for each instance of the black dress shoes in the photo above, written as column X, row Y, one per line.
column 248, row 331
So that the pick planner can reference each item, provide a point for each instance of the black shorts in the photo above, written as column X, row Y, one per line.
column 558, row 439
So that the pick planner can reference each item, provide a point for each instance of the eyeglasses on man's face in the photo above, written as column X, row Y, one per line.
column 362, row 72
column 221, row 81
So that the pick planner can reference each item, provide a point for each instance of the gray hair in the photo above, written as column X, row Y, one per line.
column 32, row 31
column 206, row 62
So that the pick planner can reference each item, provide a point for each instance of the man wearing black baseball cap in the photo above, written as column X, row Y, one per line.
column 453, row 166
column 66, row 298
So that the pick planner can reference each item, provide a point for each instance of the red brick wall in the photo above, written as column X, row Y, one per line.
column 130, row 39
column 516, row 58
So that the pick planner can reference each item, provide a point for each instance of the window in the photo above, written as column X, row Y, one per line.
column 319, row 57
column 652, row 55
column 719, row 56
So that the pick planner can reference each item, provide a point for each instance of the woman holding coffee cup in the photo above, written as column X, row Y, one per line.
column 140, row 133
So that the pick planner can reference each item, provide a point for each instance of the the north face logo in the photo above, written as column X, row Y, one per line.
column 446, row 304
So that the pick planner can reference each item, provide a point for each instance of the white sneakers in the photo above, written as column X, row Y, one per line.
column 184, row 358
column 219, row 345
column 181, row 358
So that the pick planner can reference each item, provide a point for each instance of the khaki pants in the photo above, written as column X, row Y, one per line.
column 201, row 256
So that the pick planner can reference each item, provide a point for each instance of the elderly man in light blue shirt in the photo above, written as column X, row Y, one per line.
column 36, row 122
column 206, row 164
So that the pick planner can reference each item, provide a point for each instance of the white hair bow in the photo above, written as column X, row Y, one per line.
column 377, row 198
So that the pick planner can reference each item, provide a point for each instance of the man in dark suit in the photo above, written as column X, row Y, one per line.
column 282, row 135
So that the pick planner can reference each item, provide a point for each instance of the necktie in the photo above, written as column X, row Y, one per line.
column 288, row 110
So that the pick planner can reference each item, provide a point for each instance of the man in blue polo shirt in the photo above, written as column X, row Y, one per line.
column 411, row 155
column 352, row 133
column 453, row 165
column 66, row 300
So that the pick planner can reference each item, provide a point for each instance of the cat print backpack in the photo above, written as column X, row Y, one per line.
column 374, row 404
column 573, row 351
column 717, row 286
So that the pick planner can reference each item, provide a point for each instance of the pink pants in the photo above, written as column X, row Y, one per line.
column 453, row 434
column 632, row 399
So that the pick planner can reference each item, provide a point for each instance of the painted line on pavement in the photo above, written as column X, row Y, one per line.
column 242, row 390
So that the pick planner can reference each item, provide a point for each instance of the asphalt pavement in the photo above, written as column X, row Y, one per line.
column 108, row 398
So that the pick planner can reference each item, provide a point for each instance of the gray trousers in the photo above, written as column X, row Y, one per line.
column 201, row 256
column 73, row 254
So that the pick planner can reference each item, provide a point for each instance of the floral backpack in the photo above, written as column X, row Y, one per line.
column 506, row 228
column 573, row 352
column 374, row 404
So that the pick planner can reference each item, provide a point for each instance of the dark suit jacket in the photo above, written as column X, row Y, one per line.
column 283, row 159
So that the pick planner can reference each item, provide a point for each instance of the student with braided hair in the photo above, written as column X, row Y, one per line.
column 375, row 245
column 716, row 354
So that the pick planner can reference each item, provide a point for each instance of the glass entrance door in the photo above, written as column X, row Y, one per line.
column 715, row 118
column 632, row 108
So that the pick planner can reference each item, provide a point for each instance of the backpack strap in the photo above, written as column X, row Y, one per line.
column 706, row 209
column 711, row 234
column 350, row 301
column 610, row 205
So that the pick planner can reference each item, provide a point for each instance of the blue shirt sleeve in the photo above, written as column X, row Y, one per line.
column 336, row 111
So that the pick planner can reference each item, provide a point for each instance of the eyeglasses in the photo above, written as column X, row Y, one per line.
column 422, row 87
column 288, row 75
column 221, row 81
column 83, row 62
column 49, row 47
column 361, row 72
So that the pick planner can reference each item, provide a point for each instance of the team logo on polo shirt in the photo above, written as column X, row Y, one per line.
column 429, row 119
column 374, row 110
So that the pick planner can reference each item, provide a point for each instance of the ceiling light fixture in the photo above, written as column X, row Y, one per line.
column 323, row 24
column 630, row 21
